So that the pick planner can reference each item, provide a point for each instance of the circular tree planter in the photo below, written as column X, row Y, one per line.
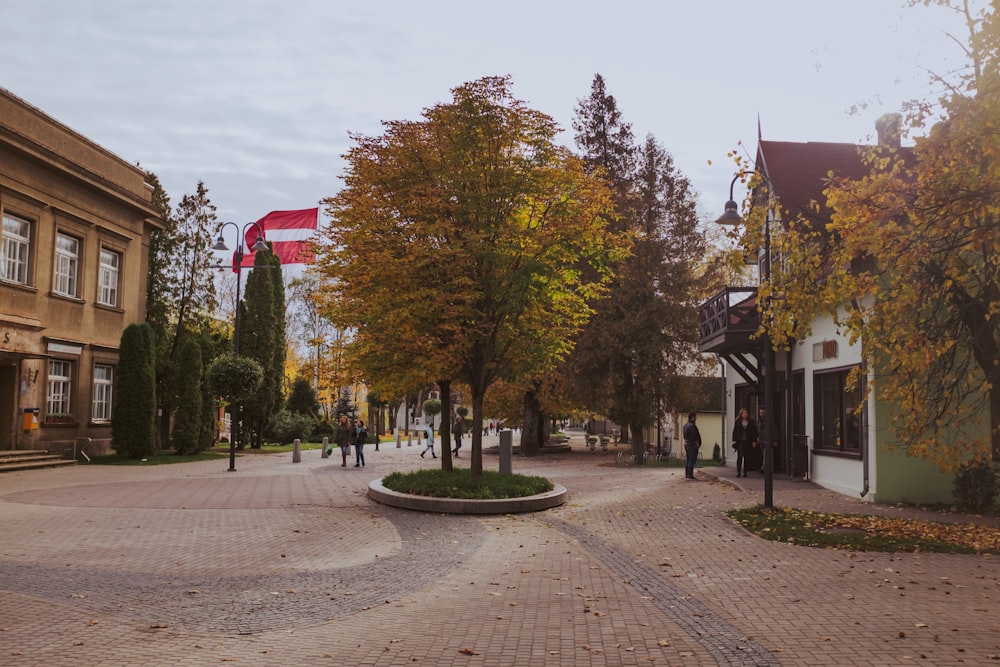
column 541, row 501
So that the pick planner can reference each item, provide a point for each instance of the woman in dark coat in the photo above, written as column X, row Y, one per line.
column 744, row 438
column 345, row 434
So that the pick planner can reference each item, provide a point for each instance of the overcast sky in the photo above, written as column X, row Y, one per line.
column 256, row 97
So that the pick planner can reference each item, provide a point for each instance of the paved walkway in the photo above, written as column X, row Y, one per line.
column 283, row 563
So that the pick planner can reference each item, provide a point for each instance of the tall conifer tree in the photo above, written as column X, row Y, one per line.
column 258, row 338
column 646, row 330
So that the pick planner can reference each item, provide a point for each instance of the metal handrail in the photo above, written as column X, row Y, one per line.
column 86, row 443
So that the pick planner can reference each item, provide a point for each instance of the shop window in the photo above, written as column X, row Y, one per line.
column 838, row 425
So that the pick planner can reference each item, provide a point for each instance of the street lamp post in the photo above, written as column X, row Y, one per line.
column 220, row 244
column 732, row 217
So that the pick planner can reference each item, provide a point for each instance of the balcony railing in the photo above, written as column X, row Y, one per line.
column 728, row 319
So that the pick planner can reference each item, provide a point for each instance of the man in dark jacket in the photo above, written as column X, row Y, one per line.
column 456, row 431
column 692, row 444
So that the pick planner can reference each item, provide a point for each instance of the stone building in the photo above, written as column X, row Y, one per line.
column 77, row 221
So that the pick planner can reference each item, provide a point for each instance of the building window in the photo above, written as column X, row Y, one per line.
column 14, row 250
column 108, row 289
column 60, row 384
column 838, row 425
column 103, row 376
column 67, row 265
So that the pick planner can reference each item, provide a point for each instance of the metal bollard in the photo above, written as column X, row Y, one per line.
column 326, row 452
column 399, row 439
column 297, row 451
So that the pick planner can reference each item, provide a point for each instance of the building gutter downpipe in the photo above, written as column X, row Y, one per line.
column 865, row 479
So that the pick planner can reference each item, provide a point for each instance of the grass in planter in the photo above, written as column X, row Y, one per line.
column 864, row 532
column 459, row 483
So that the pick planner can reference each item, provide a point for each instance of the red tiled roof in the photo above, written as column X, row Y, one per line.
column 799, row 173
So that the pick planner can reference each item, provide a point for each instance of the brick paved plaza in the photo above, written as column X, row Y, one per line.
column 283, row 563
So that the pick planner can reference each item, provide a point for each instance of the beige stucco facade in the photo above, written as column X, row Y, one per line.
column 76, row 227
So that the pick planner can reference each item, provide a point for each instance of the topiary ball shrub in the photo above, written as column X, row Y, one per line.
column 290, row 425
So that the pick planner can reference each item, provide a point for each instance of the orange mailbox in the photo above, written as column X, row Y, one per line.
column 30, row 419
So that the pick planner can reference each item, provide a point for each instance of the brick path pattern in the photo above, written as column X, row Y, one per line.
column 283, row 563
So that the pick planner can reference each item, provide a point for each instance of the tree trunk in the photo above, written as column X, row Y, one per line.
column 477, row 433
column 445, row 430
column 638, row 446
column 995, row 421
column 163, row 427
column 531, row 428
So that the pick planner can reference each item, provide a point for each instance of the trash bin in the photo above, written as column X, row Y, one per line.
column 29, row 420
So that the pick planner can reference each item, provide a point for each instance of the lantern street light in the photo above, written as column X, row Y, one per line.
column 731, row 217
column 220, row 244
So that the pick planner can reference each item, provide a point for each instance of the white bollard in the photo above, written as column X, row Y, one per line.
column 326, row 444
column 399, row 439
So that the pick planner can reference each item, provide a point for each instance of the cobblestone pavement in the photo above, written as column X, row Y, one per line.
column 282, row 563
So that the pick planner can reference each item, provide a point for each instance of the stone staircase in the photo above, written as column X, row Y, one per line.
column 26, row 459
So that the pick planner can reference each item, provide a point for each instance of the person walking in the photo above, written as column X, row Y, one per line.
column 692, row 444
column 429, row 428
column 360, row 436
column 744, row 438
column 343, row 438
column 456, row 429
column 772, row 452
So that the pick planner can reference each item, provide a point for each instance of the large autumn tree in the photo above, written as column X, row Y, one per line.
column 457, row 247
column 912, row 263
column 645, row 334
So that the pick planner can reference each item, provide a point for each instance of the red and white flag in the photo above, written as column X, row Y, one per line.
column 289, row 233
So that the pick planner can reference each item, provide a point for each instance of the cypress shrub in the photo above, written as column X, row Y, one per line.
column 133, row 417
column 186, row 434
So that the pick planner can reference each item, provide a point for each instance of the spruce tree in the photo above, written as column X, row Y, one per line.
column 647, row 329
column 302, row 399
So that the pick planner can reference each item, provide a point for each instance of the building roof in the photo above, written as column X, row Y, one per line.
column 798, row 173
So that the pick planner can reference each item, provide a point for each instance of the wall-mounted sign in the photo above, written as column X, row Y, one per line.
column 63, row 348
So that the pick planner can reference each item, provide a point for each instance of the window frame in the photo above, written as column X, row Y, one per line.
column 102, row 400
column 66, row 266
column 848, row 435
column 109, row 291
column 58, row 404
column 9, row 237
